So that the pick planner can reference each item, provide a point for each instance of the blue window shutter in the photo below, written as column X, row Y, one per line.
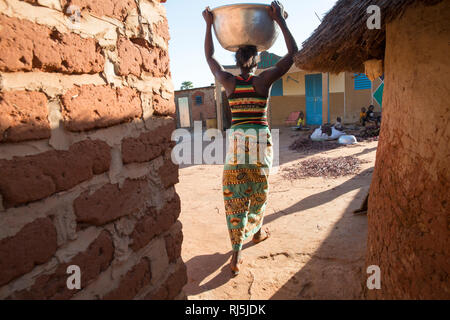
column 198, row 100
column 361, row 81
column 277, row 88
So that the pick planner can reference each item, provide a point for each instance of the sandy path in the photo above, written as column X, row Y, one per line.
column 317, row 247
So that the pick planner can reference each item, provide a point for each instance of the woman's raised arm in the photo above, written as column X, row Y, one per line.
column 217, row 69
column 282, row 66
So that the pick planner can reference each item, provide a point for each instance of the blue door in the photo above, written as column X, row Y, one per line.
column 313, row 90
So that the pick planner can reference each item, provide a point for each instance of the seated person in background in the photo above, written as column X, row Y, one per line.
column 370, row 116
column 300, row 122
column 338, row 125
column 326, row 128
column 362, row 116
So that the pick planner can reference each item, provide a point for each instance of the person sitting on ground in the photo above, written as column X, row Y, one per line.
column 300, row 122
column 326, row 128
column 338, row 125
column 370, row 116
column 362, row 116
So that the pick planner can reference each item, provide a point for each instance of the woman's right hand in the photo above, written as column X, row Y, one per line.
column 277, row 12
column 208, row 16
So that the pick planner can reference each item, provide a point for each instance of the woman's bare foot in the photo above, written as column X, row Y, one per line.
column 236, row 260
column 260, row 236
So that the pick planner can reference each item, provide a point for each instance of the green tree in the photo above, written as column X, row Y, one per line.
column 186, row 85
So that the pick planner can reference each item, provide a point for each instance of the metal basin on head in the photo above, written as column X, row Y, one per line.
column 238, row 25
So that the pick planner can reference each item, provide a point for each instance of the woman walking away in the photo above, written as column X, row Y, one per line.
column 245, row 183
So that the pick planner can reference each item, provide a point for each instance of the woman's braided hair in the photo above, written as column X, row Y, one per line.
column 246, row 57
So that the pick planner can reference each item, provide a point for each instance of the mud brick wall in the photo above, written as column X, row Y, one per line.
column 86, row 179
column 408, row 235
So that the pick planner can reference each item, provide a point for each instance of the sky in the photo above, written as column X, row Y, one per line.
column 187, row 30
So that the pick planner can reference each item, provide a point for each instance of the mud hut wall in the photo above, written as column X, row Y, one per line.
column 408, row 235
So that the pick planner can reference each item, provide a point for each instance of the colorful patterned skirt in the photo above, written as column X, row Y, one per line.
column 245, row 181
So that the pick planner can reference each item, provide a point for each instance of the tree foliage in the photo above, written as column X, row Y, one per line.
column 186, row 85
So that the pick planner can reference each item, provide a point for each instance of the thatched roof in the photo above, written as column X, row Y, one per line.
column 342, row 42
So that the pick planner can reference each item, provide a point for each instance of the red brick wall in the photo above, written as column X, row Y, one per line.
column 204, row 111
column 86, row 116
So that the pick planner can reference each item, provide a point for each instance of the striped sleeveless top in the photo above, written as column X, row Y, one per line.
column 247, row 106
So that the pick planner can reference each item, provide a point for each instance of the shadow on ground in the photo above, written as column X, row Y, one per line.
column 210, row 264
column 323, row 197
column 335, row 270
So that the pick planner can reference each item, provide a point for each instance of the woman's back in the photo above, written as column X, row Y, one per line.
column 247, row 106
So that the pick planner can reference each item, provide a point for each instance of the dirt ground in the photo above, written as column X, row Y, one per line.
column 317, row 245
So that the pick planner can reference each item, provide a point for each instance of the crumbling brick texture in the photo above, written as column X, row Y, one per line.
column 86, row 179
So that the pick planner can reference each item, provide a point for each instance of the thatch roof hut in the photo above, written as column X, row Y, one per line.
column 343, row 42
column 408, row 207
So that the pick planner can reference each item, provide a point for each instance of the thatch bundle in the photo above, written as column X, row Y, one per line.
column 373, row 68
column 342, row 42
